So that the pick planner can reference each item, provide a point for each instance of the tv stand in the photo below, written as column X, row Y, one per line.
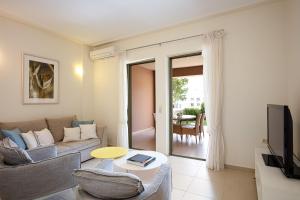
column 271, row 183
column 270, row 160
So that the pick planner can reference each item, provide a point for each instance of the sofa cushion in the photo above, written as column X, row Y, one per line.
column 15, row 156
column 44, row 137
column 71, row 134
column 15, row 136
column 25, row 126
column 56, row 126
column 108, row 185
column 68, row 147
column 30, row 140
column 88, row 131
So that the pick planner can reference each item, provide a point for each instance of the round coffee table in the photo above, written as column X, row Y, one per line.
column 145, row 173
column 109, row 152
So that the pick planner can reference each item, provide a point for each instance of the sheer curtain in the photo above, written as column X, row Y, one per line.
column 122, row 138
column 213, row 87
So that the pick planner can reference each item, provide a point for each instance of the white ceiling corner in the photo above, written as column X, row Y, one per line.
column 96, row 22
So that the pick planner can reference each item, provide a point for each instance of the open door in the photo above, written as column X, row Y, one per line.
column 187, row 110
column 141, row 105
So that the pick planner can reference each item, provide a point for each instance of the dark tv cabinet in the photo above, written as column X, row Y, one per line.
column 271, row 183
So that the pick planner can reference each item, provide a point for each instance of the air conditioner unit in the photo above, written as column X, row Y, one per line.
column 103, row 53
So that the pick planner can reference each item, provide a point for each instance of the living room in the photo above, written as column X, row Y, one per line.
column 258, row 54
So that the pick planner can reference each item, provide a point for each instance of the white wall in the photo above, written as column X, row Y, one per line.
column 293, row 62
column 106, row 95
column 254, row 75
column 16, row 38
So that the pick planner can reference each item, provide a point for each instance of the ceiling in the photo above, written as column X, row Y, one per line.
column 95, row 22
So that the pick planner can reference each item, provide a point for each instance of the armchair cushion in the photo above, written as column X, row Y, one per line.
column 15, row 156
column 108, row 185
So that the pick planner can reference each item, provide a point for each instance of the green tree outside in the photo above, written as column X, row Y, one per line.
column 180, row 89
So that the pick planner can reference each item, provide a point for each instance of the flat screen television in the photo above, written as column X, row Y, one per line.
column 280, row 139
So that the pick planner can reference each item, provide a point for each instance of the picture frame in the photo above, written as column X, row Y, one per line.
column 40, row 80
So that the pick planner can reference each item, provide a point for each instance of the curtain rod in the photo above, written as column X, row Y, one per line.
column 165, row 42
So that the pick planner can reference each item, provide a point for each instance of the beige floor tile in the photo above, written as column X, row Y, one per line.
column 181, row 182
column 189, row 196
column 207, row 188
column 239, row 185
column 207, row 174
column 177, row 194
column 186, row 169
column 187, row 161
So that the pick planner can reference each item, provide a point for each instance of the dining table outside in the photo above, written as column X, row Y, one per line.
column 184, row 117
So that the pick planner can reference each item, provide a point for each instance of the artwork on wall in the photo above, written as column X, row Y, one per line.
column 40, row 80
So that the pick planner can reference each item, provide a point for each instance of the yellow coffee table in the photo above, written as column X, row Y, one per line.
column 109, row 152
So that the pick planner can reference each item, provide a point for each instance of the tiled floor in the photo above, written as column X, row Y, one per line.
column 193, row 181
column 189, row 147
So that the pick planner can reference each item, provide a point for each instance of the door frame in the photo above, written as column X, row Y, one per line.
column 198, row 53
column 129, row 92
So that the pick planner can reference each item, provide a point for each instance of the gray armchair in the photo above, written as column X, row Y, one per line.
column 158, row 189
column 48, row 174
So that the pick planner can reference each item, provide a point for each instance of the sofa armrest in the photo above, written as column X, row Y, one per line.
column 38, row 179
column 102, row 135
column 43, row 153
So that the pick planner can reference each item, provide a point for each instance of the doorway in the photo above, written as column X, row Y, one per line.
column 141, row 105
column 188, row 137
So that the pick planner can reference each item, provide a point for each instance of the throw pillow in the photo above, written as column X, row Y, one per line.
column 15, row 136
column 88, row 131
column 15, row 156
column 44, row 137
column 71, row 134
column 102, row 184
column 6, row 142
column 76, row 123
column 30, row 140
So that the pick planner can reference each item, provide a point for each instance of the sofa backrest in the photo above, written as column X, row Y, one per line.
column 25, row 126
column 56, row 126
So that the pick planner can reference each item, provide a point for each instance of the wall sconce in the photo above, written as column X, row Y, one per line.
column 79, row 71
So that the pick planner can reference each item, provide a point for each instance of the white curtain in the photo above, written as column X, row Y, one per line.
column 213, row 95
column 122, row 138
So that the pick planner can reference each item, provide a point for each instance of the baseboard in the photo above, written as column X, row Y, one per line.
column 140, row 131
column 246, row 169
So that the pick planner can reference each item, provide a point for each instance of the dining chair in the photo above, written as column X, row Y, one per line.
column 177, row 129
column 196, row 129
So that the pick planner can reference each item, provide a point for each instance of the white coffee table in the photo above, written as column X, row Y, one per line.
column 145, row 173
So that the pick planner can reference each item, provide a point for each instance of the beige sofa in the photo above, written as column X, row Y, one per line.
column 56, row 126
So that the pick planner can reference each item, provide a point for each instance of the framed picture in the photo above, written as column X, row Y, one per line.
column 40, row 80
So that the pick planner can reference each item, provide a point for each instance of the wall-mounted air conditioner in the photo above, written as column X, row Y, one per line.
column 103, row 53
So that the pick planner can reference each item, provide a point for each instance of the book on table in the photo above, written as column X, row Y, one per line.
column 141, row 160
